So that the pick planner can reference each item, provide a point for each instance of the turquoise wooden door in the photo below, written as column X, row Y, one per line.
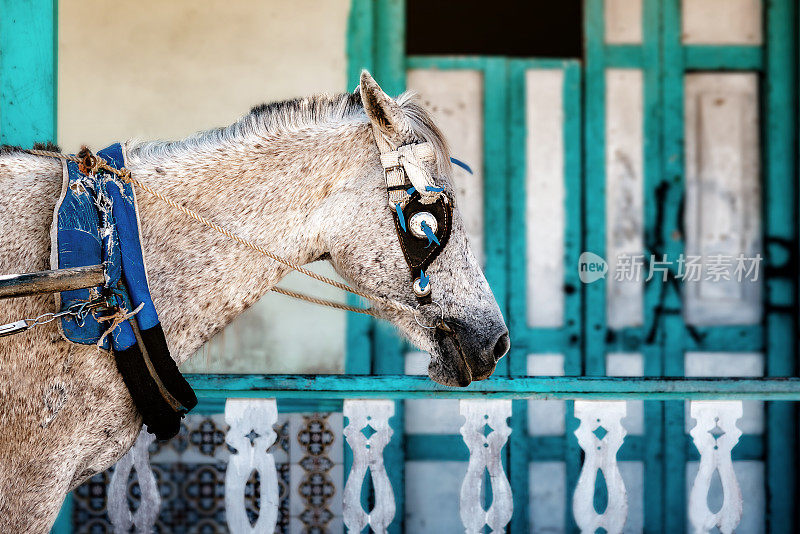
column 517, row 123
column 673, row 143
column 686, row 145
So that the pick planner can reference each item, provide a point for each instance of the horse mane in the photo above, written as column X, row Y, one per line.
column 295, row 115
column 13, row 149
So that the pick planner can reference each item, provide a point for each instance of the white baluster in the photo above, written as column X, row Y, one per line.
column 485, row 432
column 251, row 434
column 715, row 435
column 600, row 435
column 118, row 510
column 372, row 415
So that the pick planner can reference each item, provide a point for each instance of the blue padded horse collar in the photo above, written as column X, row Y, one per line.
column 96, row 222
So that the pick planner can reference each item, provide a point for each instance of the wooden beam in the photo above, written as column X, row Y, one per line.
column 23, row 285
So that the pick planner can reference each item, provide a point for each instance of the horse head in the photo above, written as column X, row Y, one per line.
column 364, row 248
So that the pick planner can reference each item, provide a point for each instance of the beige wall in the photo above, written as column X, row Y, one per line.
column 165, row 69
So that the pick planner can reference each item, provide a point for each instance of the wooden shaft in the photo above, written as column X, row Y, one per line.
column 22, row 285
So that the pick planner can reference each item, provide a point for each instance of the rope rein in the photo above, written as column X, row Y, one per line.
column 89, row 164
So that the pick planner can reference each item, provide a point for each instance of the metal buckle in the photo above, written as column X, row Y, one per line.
column 13, row 328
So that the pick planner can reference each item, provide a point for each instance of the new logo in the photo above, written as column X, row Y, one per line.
column 591, row 267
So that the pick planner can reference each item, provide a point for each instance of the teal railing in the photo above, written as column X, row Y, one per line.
column 559, row 387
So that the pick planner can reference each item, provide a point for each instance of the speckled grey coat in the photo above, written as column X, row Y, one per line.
column 302, row 178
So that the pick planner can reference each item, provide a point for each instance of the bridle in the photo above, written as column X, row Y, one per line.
column 422, row 211
column 422, row 214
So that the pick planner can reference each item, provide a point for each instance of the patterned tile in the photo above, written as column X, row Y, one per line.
column 316, row 454
column 190, row 472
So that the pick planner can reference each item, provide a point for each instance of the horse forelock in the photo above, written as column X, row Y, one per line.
column 425, row 129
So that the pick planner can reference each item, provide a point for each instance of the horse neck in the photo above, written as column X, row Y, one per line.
column 270, row 190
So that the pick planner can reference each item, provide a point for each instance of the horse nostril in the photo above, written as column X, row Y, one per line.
column 502, row 346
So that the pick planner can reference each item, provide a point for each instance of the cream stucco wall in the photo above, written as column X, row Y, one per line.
column 154, row 68
column 165, row 69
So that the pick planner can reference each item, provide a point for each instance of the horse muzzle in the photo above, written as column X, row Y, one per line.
column 465, row 354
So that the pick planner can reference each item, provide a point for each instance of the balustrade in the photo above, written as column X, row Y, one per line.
column 485, row 431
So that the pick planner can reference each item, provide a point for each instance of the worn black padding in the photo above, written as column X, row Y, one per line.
column 161, row 419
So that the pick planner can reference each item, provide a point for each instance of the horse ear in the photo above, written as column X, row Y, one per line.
column 381, row 109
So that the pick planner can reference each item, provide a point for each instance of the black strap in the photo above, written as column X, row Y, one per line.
column 160, row 392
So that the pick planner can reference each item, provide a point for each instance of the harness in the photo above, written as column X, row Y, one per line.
column 96, row 222
column 119, row 314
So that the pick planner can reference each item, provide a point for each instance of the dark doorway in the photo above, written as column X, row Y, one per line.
column 544, row 28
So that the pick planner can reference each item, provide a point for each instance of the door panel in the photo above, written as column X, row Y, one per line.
column 723, row 198
column 721, row 22
column 624, row 122
column 544, row 197
column 455, row 99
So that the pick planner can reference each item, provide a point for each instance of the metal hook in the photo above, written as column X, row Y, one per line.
column 441, row 315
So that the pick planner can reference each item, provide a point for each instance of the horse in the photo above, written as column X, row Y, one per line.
column 303, row 178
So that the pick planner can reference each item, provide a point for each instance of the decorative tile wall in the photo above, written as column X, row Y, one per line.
column 190, row 471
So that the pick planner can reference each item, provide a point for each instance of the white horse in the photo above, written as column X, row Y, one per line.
column 304, row 179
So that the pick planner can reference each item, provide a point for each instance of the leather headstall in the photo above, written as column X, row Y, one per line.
column 423, row 212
